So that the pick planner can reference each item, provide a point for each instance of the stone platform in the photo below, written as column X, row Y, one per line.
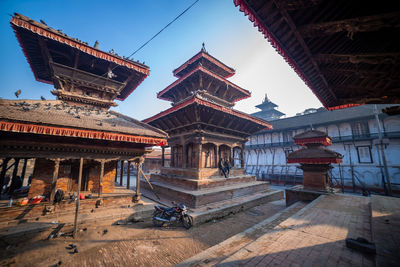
column 195, row 193
column 208, row 195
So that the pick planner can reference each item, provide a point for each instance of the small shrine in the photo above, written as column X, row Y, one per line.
column 315, row 160
column 268, row 111
column 205, row 132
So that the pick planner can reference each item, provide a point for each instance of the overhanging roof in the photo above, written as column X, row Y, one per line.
column 39, row 42
column 345, row 51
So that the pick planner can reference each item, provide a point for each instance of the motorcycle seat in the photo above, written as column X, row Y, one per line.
column 168, row 210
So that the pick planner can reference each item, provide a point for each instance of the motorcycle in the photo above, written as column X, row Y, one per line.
column 177, row 213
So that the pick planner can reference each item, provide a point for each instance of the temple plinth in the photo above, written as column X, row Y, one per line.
column 203, row 131
column 315, row 160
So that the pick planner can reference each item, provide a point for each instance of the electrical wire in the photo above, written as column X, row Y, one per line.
column 155, row 35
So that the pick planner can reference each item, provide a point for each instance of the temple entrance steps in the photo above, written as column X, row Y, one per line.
column 218, row 253
column 196, row 198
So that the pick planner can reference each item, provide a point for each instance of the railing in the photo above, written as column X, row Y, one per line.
column 337, row 139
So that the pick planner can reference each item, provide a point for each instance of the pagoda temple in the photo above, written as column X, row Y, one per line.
column 75, row 135
column 205, row 131
column 268, row 111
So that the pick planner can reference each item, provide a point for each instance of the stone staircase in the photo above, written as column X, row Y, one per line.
column 235, row 246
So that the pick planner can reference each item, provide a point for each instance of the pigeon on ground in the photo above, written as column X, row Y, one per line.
column 42, row 97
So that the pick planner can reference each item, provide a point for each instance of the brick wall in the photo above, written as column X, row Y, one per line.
column 42, row 177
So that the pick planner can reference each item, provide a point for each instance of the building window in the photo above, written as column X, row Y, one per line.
column 364, row 154
column 360, row 129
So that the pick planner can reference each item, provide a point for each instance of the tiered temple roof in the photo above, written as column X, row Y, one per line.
column 202, row 101
column 81, row 74
column 268, row 111
column 207, row 76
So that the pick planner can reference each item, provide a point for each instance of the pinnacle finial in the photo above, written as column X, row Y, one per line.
column 266, row 98
column 203, row 46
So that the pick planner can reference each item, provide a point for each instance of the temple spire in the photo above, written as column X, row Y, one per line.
column 203, row 47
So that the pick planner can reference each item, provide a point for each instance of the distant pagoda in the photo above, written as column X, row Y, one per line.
column 268, row 111
column 202, row 126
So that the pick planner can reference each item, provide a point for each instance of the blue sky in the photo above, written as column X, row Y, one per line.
column 126, row 25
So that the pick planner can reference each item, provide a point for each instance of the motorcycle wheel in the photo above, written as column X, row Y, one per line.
column 187, row 221
column 160, row 214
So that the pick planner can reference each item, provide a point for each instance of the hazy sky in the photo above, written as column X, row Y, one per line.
column 126, row 25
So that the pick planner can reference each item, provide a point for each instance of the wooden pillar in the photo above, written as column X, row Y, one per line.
column 128, row 180
column 121, row 173
column 162, row 156
column 242, row 157
column 116, row 171
column 78, row 197
column 15, row 170
column 101, row 178
column 137, row 195
column 184, row 156
column 24, row 169
column 231, row 158
column 3, row 172
column 54, row 180
column 199, row 156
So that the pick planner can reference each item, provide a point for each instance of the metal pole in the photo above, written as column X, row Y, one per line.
column 385, row 168
column 78, row 197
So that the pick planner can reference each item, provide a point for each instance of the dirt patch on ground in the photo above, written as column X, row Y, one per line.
column 133, row 244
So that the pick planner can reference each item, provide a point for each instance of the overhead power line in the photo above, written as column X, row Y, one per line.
column 166, row 26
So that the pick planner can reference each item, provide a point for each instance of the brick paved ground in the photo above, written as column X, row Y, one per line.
column 386, row 229
column 137, row 244
column 315, row 236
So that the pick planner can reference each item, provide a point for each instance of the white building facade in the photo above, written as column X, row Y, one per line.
column 355, row 134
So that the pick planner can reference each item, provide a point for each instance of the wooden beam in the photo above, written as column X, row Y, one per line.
column 373, row 58
column 303, row 44
column 360, row 24
column 292, row 5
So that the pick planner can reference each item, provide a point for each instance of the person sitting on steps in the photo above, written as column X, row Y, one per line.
column 221, row 168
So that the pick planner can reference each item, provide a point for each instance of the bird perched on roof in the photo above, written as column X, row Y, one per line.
column 17, row 93
column 96, row 44
column 41, row 21
column 42, row 97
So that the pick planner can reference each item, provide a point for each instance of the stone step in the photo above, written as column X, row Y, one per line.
column 195, row 184
column 224, row 250
column 197, row 198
